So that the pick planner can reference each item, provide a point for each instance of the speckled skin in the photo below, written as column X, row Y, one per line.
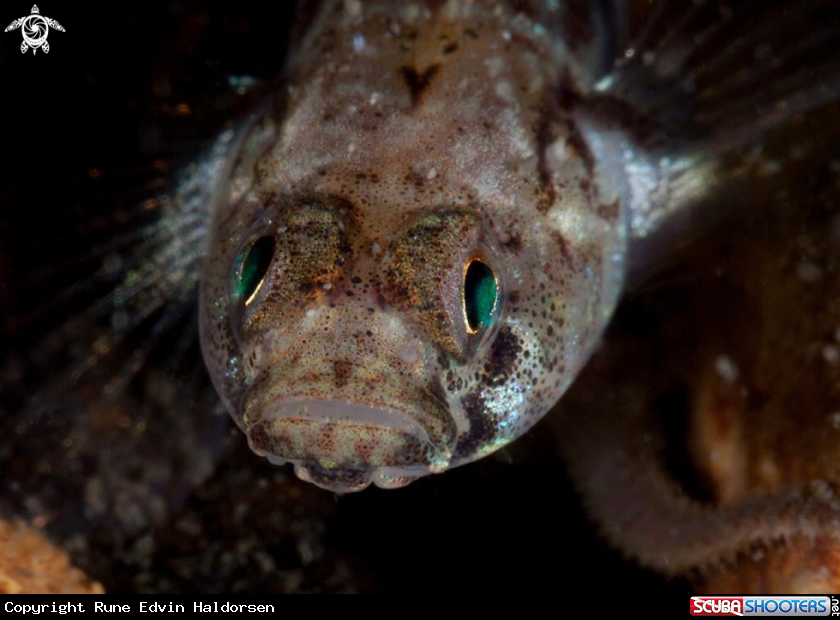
column 410, row 142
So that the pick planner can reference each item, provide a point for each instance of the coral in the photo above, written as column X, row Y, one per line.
column 31, row 564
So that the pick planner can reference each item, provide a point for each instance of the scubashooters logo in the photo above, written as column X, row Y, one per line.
column 763, row 606
column 35, row 28
column 140, row 607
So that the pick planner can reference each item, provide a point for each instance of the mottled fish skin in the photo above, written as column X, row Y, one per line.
column 412, row 140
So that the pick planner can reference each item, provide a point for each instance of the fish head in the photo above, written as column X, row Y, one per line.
column 396, row 285
column 379, row 349
column 340, row 333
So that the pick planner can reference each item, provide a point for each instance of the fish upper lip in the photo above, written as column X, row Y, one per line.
column 276, row 396
column 335, row 410
column 343, row 436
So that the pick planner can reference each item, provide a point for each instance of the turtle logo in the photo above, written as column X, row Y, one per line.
column 35, row 28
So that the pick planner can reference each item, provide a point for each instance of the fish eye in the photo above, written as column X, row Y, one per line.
column 480, row 296
column 250, row 267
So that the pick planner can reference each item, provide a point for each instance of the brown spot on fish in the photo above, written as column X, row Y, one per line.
column 416, row 179
column 342, row 371
column 609, row 212
column 450, row 48
column 418, row 82
column 513, row 243
column 503, row 356
column 482, row 423
column 579, row 147
column 564, row 247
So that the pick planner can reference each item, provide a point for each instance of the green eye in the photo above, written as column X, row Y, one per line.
column 250, row 267
column 481, row 296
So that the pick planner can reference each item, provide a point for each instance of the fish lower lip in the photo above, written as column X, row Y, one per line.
column 344, row 444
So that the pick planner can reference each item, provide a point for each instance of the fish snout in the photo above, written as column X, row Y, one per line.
column 346, row 393
column 348, row 411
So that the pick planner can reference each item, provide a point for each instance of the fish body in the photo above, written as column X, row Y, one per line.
column 413, row 146
column 405, row 253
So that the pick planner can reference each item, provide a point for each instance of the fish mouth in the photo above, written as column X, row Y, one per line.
column 344, row 446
